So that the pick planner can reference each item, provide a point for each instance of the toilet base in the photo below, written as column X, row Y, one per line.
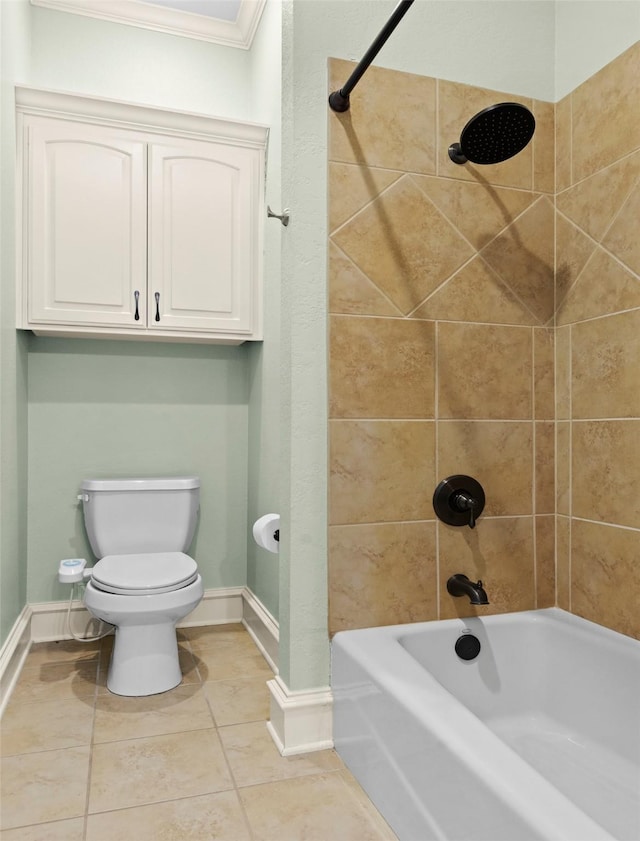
column 144, row 660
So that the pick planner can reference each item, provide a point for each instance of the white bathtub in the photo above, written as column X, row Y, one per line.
column 537, row 738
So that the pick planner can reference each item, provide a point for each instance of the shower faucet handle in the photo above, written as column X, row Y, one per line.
column 463, row 501
column 459, row 500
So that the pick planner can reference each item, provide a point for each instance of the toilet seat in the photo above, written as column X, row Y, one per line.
column 144, row 574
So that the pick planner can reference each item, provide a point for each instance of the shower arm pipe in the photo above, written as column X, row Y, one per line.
column 339, row 100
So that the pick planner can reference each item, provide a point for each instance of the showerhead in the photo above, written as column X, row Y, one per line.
column 494, row 134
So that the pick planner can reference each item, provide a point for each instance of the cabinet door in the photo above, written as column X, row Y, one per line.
column 86, row 223
column 204, row 237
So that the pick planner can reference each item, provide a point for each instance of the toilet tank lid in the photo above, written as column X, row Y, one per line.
column 160, row 483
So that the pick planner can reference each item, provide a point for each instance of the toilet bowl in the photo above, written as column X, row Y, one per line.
column 146, row 591
column 144, row 660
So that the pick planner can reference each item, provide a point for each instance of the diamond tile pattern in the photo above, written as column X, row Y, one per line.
column 528, row 275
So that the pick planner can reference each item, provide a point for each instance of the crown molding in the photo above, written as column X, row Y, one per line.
column 172, row 21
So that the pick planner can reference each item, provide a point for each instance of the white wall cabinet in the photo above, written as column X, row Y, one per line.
column 138, row 222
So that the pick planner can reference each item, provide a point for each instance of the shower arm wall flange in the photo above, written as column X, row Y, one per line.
column 339, row 100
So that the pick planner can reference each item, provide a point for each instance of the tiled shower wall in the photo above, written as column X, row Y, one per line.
column 442, row 320
column 598, row 346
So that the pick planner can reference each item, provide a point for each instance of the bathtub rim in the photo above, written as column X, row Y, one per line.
column 511, row 779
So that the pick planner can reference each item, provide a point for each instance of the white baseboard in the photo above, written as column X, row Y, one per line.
column 49, row 620
column 13, row 653
column 301, row 721
column 262, row 628
column 219, row 606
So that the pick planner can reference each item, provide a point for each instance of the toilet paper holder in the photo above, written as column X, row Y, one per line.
column 266, row 532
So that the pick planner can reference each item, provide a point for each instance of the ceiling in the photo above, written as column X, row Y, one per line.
column 232, row 23
column 220, row 9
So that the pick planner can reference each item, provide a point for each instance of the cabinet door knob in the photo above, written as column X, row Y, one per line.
column 136, row 295
column 157, row 297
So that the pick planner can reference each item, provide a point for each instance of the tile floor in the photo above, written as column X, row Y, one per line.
column 195, row 763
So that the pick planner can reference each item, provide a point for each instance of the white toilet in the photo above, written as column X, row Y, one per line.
column 143, row 583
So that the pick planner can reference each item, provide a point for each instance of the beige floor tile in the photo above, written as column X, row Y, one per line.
column 225, row 664
column 72, row 830
column 42, row 787
column 150, row 770
column 314, row 808
column 254, row 758
column 119, row 718
column 238, row 701
column 46, row 725
column 63, row 651
column 55, row 681
column 211, row 816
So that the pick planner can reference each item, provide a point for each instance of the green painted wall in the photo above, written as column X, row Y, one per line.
column 15, row 52
column 265, row 429
column 105, row 409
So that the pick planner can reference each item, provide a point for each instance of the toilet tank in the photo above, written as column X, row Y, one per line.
column 132, row 516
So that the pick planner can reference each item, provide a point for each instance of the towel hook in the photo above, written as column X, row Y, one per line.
column 283, row 217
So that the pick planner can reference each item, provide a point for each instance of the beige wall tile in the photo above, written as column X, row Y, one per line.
column 544, row 373
column 351, row 187
column 484, row 371
column 381, row 128
column 521, row 277
column 478, row 210
column 606, row 367
column 497, row 551
column 606, row 471
column 563, row 467
column 594, row 203
column 563, row 562
column 381, row 574
column 605, row 576
column 573, row 249
column 475, row 293
column 351, row 291
column 563, row 373
column 545, row 467
column 545, row 561
column 564, row 177
column 544, row 147
column 381, row 471
column 457, row 104
column 403, row 244
column 499, row 455
column 604, row 286
column 523, row 257
column 606, row 118
column 381, row 368
column 622, row 237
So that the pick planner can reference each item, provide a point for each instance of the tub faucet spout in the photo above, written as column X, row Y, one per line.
column 460, row 585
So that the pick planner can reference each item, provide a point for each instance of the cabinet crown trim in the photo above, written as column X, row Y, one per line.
column 150, row 118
